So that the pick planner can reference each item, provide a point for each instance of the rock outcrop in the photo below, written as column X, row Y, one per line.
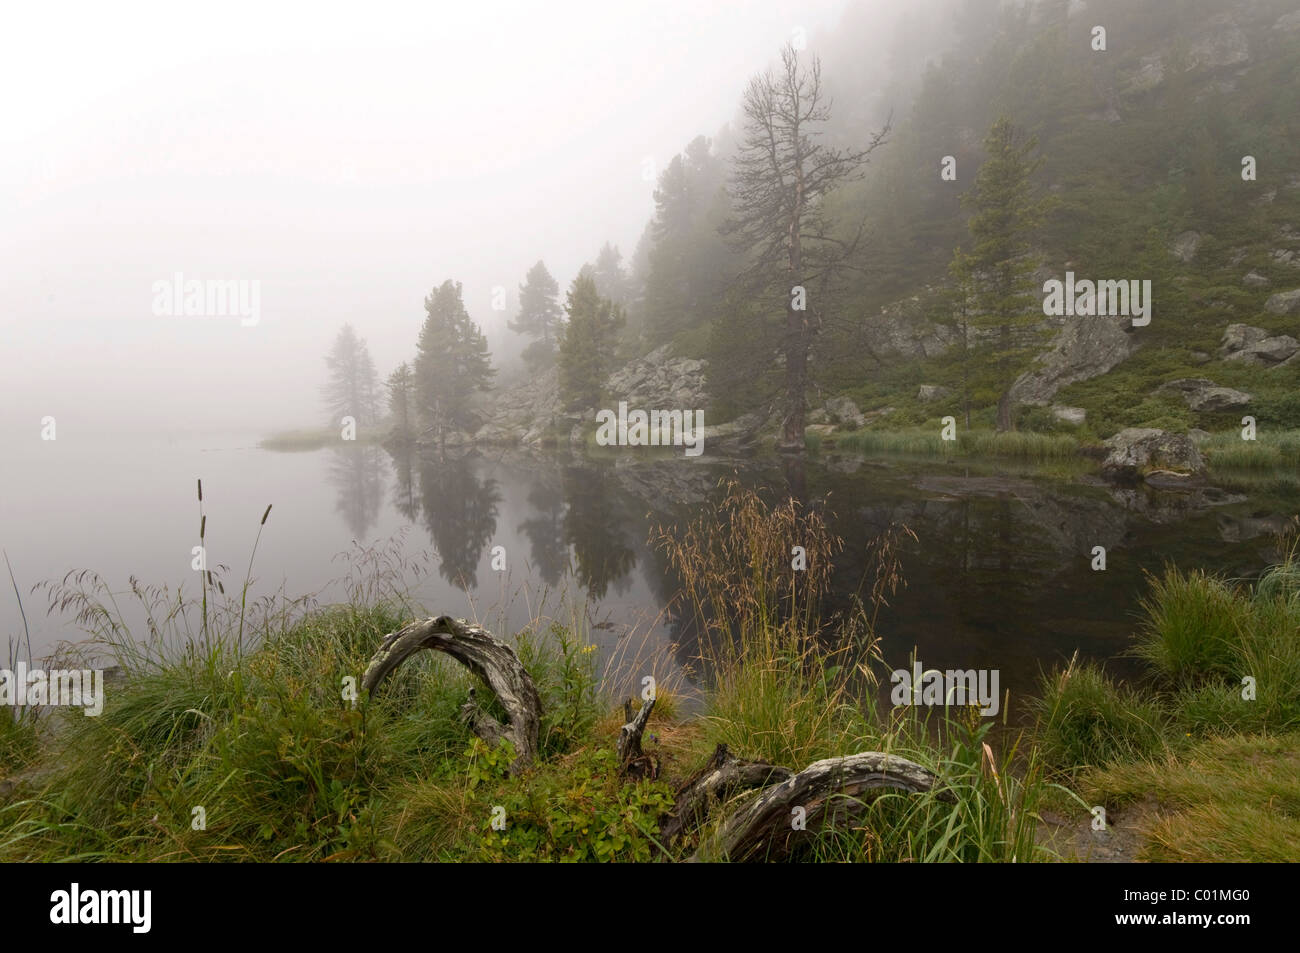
column 1086, row 347
column 1138, row 451
column 1241, row 342
column 1204, row 395
column 531, row 411
column 1284, row 302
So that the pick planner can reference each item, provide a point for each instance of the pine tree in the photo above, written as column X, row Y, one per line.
column 1000, row 266
column 587, row 345
column 611, row 279
column 539, row 316
column 451, row 362
column 351, row 390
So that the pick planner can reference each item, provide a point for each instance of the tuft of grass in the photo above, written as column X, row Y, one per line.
column 1086, row 718
column 1192, row 625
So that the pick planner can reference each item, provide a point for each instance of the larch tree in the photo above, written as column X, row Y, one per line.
column 782, row 176
column 352, row 386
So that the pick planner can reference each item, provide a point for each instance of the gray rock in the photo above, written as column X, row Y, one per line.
column 1238, row 336
column 1069, row 415
column 1187, row 385
column 1288, row 23
column 1185, row 245
column 1136, row 450
column 1199, row 357
column 932, row 392
column 1086, row 347
column 1221, row 43
column 1215, row 399
column 903, row 330
column 1268, row 352
column 1284, row 302
column 1255, row 280
column 843, row 410
column 1198, row 436
column 1204, row 395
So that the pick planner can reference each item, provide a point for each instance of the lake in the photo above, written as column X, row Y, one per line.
column 1000, row 576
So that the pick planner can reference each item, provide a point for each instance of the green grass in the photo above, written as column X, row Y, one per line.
column 1015, row 445
column 1086, row 718
column 1277, row 450
column 1233, row 799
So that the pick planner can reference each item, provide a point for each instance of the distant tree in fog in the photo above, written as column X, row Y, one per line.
column 587, row 346
column 539, row 316
column 451, row 363
column 352, row 387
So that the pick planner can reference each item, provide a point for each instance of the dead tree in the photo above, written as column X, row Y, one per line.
column 488, row 658
column 632, row 760
column 782, row 176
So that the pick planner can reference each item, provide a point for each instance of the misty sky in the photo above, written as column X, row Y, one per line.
column 348, row 162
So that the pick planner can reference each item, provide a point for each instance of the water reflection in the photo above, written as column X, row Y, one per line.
column 548, row 541
column 460, row 513
column 601, row 531
column 355, row 472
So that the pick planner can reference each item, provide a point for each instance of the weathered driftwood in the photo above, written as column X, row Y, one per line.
column 827, row 790
column 487, row 657
column 631, row 759
column 722, row 777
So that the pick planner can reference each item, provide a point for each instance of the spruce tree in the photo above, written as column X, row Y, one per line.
column 539, row 316
column 1005, row 213
column 451, row 361
column 587, row 345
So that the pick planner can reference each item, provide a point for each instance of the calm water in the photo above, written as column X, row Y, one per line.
column 1000, row 576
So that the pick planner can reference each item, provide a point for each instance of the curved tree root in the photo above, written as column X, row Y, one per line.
column 487, row 657
column 826, row 790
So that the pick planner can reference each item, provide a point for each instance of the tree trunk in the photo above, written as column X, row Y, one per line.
column 1004, row 402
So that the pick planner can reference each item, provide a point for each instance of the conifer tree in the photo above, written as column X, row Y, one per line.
column 1005, row 213
column 587, row 345
column 451, row 361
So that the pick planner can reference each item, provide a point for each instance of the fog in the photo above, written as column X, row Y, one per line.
column 346, row 162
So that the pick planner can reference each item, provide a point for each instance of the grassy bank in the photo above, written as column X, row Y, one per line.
column 1208, row 746
column 232, row 735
